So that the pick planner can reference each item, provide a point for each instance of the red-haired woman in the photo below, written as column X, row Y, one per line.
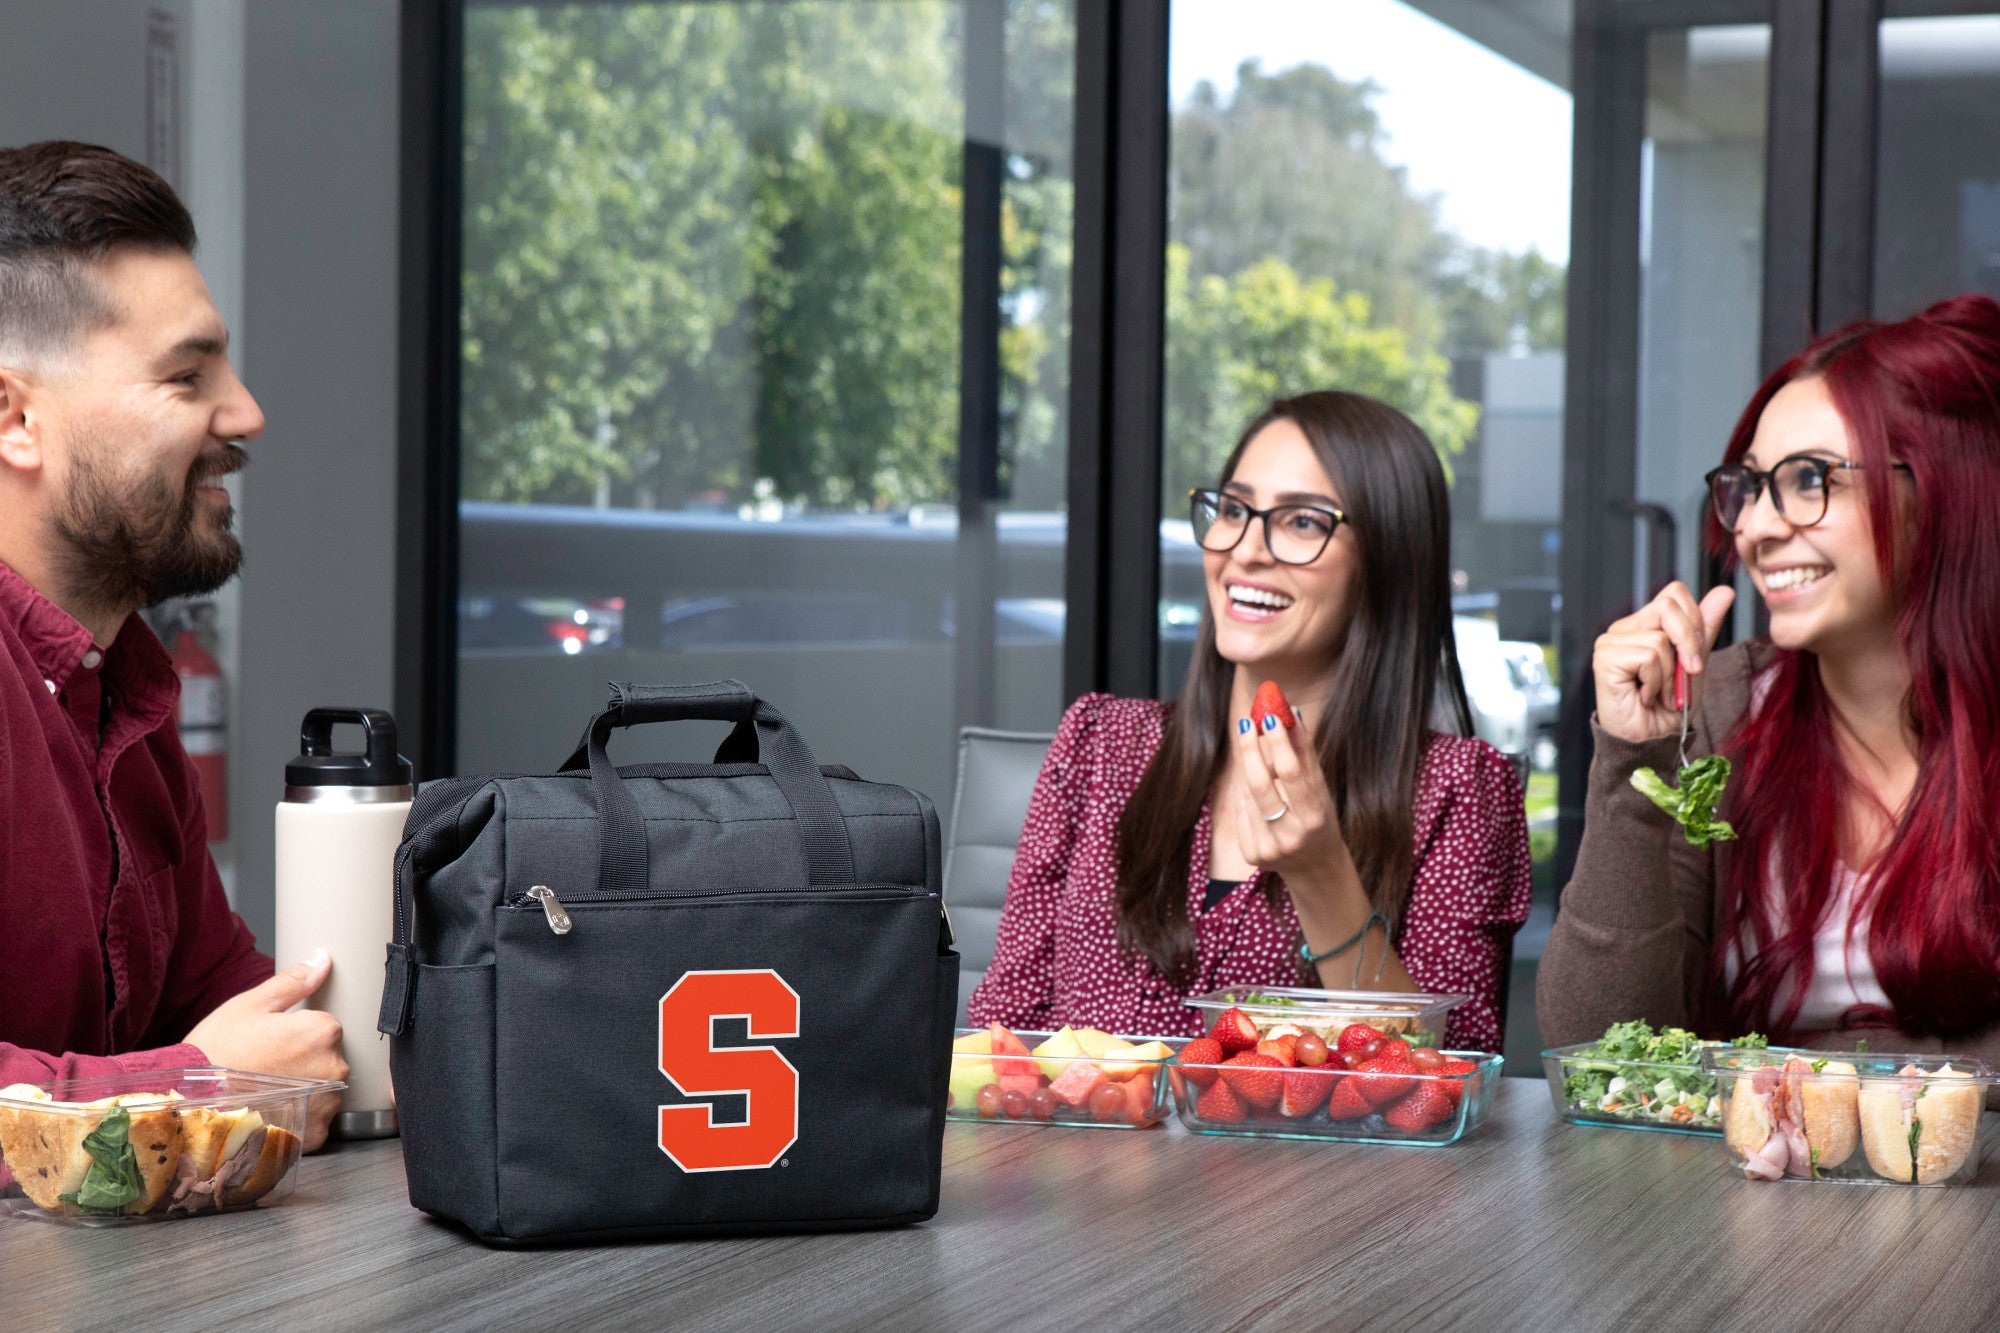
column 1861, row 491
column 1170, row 850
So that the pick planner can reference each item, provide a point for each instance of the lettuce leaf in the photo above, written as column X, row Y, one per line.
column 113, row 1179
column 1693, row 803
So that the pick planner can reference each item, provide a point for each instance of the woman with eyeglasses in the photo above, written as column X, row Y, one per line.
column 1175, row 849
column 1861, row 494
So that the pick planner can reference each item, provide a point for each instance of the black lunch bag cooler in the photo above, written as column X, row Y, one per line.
column 671, row 999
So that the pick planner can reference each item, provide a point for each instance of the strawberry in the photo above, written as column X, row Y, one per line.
column 1200, row 1051
column 1235, row 1031
column 1451, row 1073
column 1429, row 1105
column 1398, row 1051
column 1354, row 1036
column 1306, row 1090
column 1219, row 1103
column 1271, row 702
column 1283, row 1030
column 1347, row 1102
column 1385, row 1087
column 1280, row 1049
column 1256, row 1078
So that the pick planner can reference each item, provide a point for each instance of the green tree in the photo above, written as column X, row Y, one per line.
column 599, row 308
column 713, row 244
column 1235, row 344
column 1494, row 300
column 1290, row 167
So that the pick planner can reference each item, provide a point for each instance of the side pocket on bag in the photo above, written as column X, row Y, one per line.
column 944, row 1015
column 443, row 1067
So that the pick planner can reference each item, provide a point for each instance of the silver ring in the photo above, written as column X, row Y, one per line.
column 1283, row 810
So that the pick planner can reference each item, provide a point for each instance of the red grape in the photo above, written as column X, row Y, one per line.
column 1108, row 1102
column 988, row 1100
column 1352, row 1059
column 1426, row 1058
column 1014, row 1102
column 1373, row 1048
column 1310, row 1049
column 1042, row 1104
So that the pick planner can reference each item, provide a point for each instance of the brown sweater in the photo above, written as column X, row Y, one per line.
column 1638, row 917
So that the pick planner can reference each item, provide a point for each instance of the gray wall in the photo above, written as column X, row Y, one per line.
column 289, row 159
column 318, row 525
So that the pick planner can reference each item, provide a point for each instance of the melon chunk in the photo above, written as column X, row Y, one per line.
column 1057, row 1051
column 1136, row 1059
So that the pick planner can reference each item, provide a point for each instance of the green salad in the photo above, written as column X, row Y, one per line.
column 1635, row 1074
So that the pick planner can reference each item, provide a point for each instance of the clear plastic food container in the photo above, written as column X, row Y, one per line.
column 1331, row 1102
column 1417, row 1018
column 1075, row 1076
column 153, row 1146
column 1854, row 1118
column 1591, row 1089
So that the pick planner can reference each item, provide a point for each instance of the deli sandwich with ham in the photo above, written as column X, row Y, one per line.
column 1794, row 1119
column 140, row 1153
column 1808, row 1116
column 1922, row 1126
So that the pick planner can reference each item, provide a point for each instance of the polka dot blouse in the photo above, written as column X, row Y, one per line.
column 1057, row 958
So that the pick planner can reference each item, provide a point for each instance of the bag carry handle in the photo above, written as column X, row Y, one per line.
column 624, row 864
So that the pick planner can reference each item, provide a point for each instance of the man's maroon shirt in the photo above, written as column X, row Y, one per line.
column 115, row 935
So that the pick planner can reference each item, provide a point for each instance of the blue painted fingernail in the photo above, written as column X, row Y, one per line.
column 1243, row 726
column 1270, row 721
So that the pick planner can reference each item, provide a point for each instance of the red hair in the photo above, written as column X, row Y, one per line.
column 1924, row 392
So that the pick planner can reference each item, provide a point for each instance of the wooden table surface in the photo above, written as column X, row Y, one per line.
column 1528, row 1223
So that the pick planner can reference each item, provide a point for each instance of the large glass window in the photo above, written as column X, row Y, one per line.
column 1937, row 173
column 1364, row 197
column 715, row 371
column 1701, row 246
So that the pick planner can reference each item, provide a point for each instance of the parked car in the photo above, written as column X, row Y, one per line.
column 1514, row 702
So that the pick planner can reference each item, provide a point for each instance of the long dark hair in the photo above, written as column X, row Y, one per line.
column 1922, row 392
column 1371, row 728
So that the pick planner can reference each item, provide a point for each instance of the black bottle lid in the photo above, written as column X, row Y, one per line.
column 317, row 765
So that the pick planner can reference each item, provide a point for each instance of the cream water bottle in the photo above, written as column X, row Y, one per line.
column 338, row 829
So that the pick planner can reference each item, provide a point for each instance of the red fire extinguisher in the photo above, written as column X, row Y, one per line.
column 201, row 726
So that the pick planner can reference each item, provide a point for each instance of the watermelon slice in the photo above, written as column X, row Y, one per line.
column 1139, row 1098
column 1078, row 1081
column 1006, row 1043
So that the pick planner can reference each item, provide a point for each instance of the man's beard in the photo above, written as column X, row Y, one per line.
column 147, row 545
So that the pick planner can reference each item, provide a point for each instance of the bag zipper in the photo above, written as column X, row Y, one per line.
column 561, row 924
column 559, row 921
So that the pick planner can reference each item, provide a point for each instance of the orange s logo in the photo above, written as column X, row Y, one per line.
column 694, row 1064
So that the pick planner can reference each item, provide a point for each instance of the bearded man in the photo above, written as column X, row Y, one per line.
column 120, row 414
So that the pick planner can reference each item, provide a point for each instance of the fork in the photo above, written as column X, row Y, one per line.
column 1681, row 702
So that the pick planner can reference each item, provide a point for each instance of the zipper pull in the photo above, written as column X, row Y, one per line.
column 559, row 922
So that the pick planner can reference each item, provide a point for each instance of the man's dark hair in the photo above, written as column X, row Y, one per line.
column 63, row 207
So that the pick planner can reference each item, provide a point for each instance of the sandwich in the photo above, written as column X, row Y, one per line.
column 232, row 1158
column 1923, row 1126
column 140, row 1153
column 1795, row 1119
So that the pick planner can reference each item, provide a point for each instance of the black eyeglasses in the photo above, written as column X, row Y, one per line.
column 1293, row 534
column 1800, row 485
